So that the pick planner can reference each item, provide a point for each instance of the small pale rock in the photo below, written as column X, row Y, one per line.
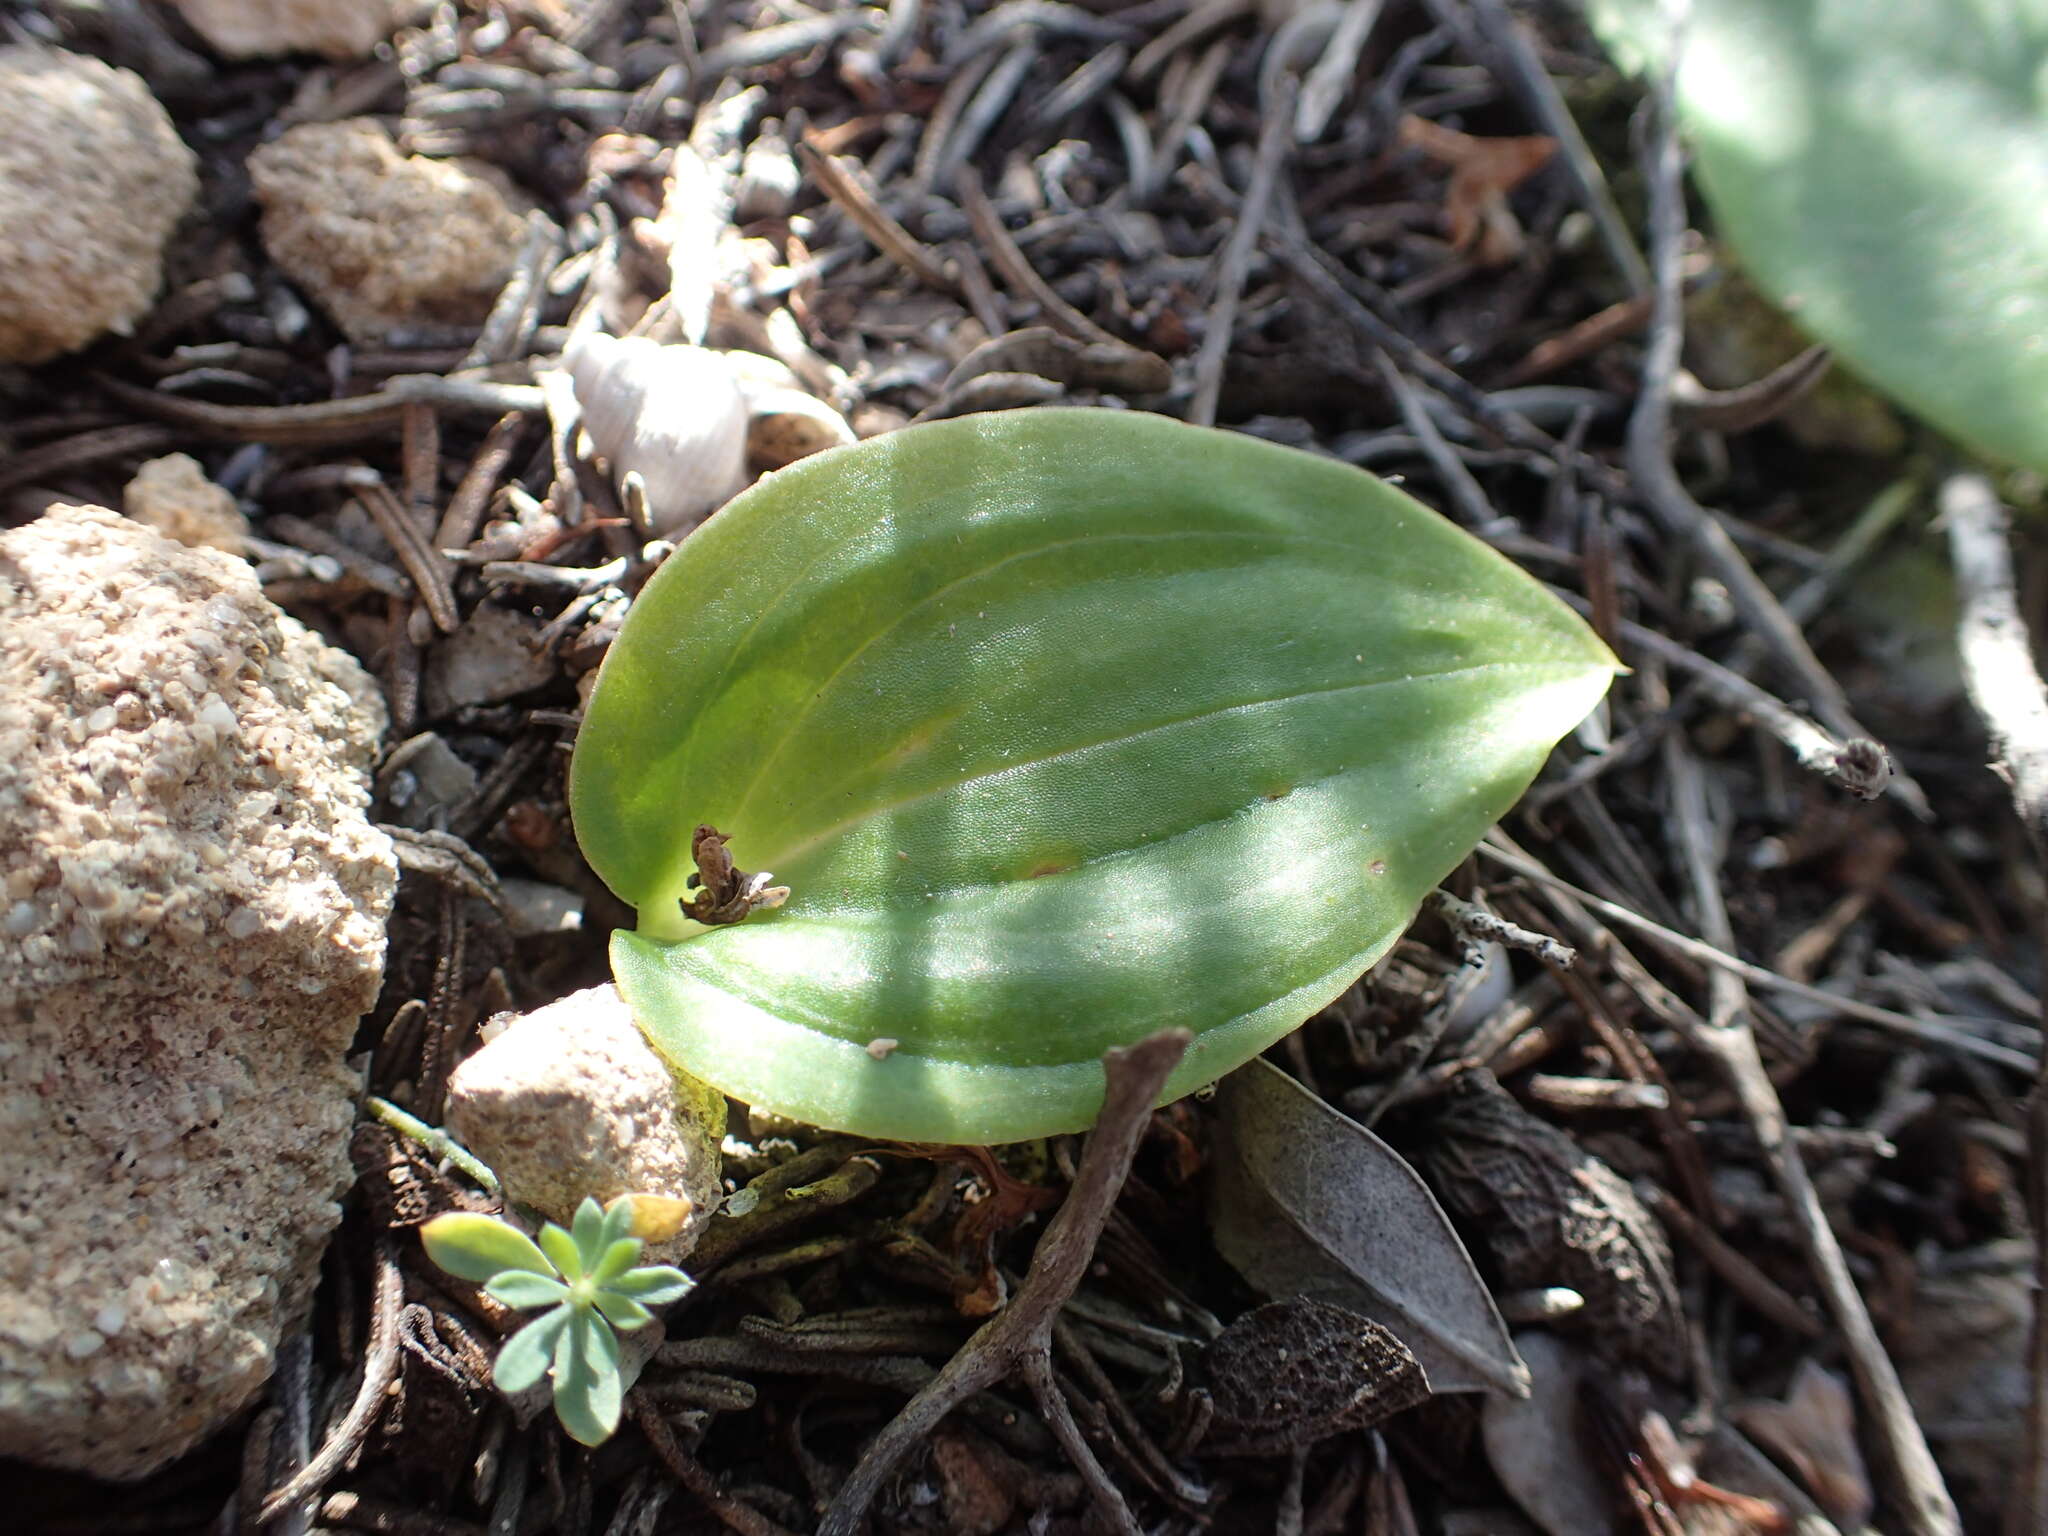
column 382, row 241
column 533, row 908
column 489, row 659
column 571, row 1100
column 92, row 179
column 252, row 29
column 192, row 910
column 173, row 496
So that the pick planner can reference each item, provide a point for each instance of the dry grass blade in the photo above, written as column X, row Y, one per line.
column 889, row 237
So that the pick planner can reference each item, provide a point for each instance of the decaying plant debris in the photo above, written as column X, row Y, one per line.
column 1799, row 1023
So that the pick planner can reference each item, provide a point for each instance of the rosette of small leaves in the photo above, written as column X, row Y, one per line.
column 585, row 1278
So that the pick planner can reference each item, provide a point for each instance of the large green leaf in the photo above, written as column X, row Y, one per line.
column 1881, row 166
column 1061, row 726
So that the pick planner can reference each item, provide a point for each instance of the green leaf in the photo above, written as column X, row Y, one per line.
column 1881, row 167
column 615, row 1260
column 657, row 1284
column 1061, row 726
column 562, row 1251
column 588, row 1392
column 523, row 1289
column 617, row 1226
column 523, row 1358
column 479, row 1248
column 587, row 1228
column 622, row 1312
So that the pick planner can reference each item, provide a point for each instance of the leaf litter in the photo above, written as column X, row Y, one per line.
column 920, row 210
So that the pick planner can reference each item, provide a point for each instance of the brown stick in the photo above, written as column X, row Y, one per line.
column 1022, row 1333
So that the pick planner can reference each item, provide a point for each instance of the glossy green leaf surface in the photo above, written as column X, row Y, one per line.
column 1061, row 726
column 1880, row 166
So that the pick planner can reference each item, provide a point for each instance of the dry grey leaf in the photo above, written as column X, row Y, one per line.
column 1545, row 1213
column 1307, row 1202
column 1293, row 1373
column 1814, row 1432
column 1539, row 1448
column 1548, row 1452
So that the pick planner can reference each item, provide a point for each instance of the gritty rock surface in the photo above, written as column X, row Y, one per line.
column 192, row 912
column 571, row 1100
column 173, row 496
column 382, row 241
column 92, row 179
column 248, row 29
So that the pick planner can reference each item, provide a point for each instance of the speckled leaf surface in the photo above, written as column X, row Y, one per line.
column 1061, row 726
column 1880, row 167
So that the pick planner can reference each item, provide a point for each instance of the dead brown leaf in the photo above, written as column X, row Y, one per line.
column 1483, row 173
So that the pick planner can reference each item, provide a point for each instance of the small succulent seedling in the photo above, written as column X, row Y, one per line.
column 1056, row 728
column 585, row 1278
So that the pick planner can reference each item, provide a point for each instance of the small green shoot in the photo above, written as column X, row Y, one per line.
column 585, row 1279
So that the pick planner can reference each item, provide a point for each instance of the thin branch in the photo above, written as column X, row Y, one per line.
column 1016, row 266
column 1932, row 1031
column 1998, row 660
column 693, row 1475
column 886, row 235
column 1684, row 520
column 1731, row 1043
column 1236, row 260
column 1459, row 483
column 1859, row 764
column 1999, row 672
column 1023, row 1330
column 380, row 1369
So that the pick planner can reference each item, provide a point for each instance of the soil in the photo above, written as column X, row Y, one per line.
column 1112, row 198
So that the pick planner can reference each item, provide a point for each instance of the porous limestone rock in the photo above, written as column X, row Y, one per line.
column 570, row 1100
column 380, row 240
column 251, row 29
column 192, row 910
column 173, row 496
column 92, row 179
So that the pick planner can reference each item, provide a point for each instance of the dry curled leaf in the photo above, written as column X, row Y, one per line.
column 1813, row 1431
column 1307, row 1202
column 726, row 894
column 1548, row 1214
column 1483, row 173
column 1291, row 1373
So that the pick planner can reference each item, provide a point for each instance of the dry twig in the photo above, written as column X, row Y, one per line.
column 380, row 1369
column 1999, row 671
column 1020, row 1337
column 1649, row 457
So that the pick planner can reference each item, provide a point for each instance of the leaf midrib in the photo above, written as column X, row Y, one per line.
column 781, row 857
column 765, row 764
